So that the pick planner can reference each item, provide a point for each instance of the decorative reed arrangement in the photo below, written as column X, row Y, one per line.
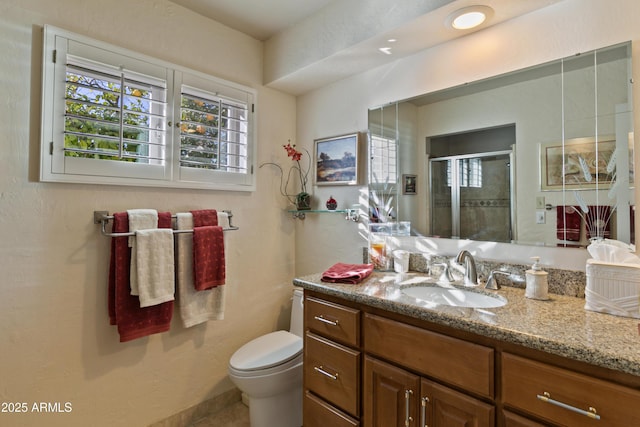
column 381, row 201
column 597, row 217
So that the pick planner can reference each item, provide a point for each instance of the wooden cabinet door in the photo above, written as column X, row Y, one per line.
column 444, row 407
column 390, row 395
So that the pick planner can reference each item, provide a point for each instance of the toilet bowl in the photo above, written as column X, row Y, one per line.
column 268, row 370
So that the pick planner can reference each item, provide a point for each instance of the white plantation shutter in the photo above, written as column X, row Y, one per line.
column 214, row 130
column 383, row 160
column 109, row 115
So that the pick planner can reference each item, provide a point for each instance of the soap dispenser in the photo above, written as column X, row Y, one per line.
column 537, row 285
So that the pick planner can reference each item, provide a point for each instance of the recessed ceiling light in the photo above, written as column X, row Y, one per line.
column 469, row 17
column 385, row 50
column 392, row 40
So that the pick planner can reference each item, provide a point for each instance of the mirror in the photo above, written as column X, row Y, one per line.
column 539, row 156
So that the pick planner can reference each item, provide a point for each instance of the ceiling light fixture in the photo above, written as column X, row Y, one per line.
column 385, row 50
column 469, row 17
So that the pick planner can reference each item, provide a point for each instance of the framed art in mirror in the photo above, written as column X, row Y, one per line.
column 409, row 183
column 336, row 160
column 582, row 163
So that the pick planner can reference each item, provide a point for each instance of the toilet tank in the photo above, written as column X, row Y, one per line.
column 297, row 321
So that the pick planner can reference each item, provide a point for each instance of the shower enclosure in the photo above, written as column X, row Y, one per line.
column 472, row 196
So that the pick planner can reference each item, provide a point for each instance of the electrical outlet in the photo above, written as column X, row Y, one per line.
column 540, row 202
column 540, row 217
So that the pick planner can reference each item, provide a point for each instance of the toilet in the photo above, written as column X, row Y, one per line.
column 268, row 370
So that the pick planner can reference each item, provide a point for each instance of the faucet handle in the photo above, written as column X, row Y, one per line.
column 491, row 281
column 446, row 276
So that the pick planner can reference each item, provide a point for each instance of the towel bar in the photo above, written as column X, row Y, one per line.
column 103, row 217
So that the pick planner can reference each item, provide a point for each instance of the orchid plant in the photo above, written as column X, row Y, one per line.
column 300, row 199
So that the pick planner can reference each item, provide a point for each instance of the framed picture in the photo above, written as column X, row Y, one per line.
column 581, row 164
column 409, row 183
column 337, row 160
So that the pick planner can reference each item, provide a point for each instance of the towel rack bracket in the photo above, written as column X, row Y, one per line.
column 99, row 216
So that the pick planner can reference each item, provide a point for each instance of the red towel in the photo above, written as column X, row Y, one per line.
column 598, row 224
column 568, row 223
column 205, row 217
column 347, row 273
column 208, row 250
column 124, row 309
column 208, row 257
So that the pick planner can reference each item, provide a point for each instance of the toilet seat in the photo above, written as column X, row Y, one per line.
column 268, row 351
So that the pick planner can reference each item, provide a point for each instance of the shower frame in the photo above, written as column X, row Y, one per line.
column 455, row 189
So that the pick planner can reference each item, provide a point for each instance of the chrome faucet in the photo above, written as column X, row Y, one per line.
column 470, row 272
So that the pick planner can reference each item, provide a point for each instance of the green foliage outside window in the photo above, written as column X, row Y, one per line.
column 92, row 119
column 202, row 125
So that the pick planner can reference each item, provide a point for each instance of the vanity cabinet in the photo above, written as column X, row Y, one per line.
column 370, row 367
column 332, row 364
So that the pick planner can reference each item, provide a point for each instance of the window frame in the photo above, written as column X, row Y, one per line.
column 56, row 167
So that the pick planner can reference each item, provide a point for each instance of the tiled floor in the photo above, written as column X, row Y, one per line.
column 236, row 415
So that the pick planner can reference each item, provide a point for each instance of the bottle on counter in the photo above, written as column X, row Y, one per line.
column 537, row 284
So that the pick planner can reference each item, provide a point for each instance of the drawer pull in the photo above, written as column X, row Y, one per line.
column 407, row 407
column 327, row 321
column 320, row 369
column 423, row 410
column 591, row 413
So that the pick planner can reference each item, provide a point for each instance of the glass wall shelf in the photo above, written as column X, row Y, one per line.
column 350, row 214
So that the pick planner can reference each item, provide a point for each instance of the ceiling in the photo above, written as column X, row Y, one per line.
column 312, row 43
column 260, row 19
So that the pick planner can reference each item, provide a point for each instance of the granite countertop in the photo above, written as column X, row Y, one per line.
column 559, row 326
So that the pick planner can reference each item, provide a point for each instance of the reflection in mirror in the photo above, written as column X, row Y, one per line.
column 383, row 173
column 539, row 156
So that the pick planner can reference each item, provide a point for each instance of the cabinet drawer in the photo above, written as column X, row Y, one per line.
column 454, row 361
column 515, row 420
column 524, row 380
column 318, row 413
column 332, row 372
column 333, row 321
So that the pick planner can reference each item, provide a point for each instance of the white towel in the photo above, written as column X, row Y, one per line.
column 139, row 219
column 156, row 272
column 223, row 219
column 195, row 306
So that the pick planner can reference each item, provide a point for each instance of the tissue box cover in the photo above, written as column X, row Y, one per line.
column 613, row 288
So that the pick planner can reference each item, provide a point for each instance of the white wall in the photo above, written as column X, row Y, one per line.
column 556, row 31
column 57, row 344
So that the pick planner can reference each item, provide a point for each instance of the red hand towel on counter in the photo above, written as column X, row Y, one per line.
column 347, row 273
column 568, row 222
column 124, row 309
column 208, row 250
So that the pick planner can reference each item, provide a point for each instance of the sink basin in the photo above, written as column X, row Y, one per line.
column 454, row 297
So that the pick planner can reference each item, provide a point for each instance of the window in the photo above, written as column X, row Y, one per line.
column 112, row 116
column 469, row 172
column 383, row 163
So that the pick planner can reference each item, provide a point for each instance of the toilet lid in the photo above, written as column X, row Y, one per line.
column 266, row 351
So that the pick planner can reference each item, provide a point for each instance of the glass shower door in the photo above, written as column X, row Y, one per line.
column 471, row 197
column 441, row 200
